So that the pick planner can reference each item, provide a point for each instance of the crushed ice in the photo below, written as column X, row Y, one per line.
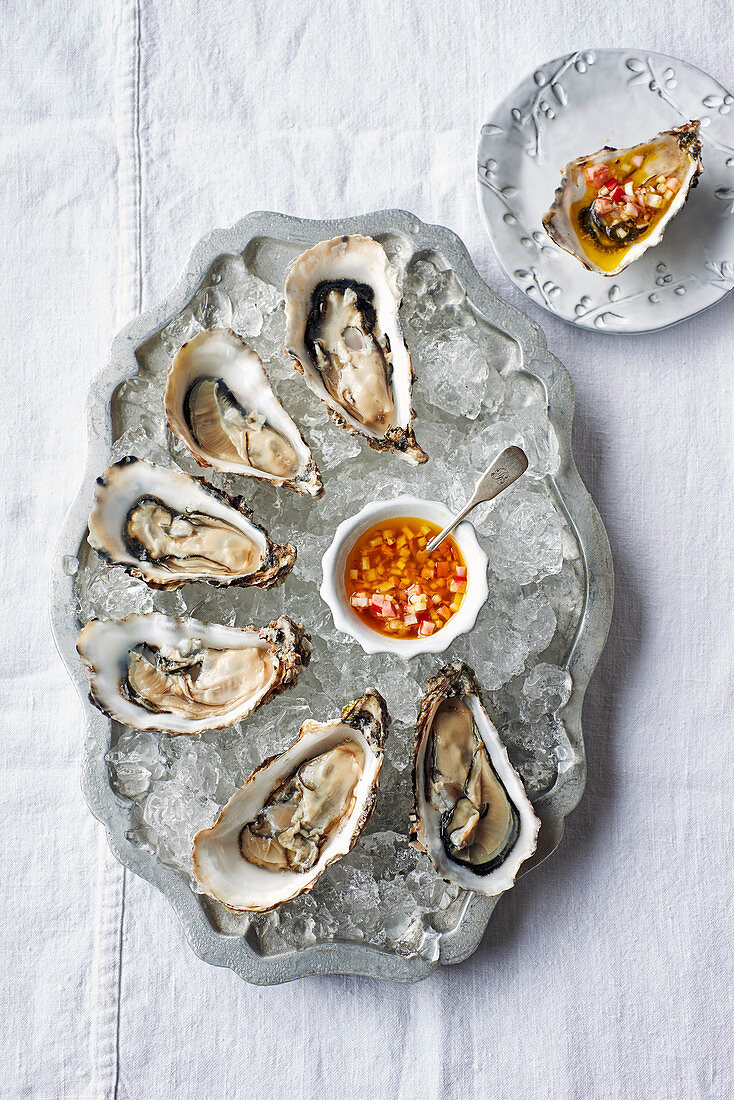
column 472, row 398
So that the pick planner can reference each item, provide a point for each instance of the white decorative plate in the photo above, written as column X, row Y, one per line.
column 573, row 106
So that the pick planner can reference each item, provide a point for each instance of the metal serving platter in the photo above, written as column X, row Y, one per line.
column 265, row 231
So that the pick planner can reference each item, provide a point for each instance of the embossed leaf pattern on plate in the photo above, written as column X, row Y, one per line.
column 549, row 97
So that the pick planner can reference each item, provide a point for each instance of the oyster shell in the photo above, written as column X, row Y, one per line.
column 297, row 813
column 343, row 333
column 168, row 529
column 609, row 227
column 182, row 676
column 471, row 815
column 219, row 401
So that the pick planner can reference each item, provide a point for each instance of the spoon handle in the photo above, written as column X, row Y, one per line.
column 504, row 471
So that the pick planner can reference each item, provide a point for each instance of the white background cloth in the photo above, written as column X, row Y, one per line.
column 130, row 130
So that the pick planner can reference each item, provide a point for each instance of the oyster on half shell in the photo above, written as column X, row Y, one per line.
column 219, row 401
column 183, row 676
column 343, row 333
column 296, row 813
column 168, row 529
column 611, row 206
column 471, row 814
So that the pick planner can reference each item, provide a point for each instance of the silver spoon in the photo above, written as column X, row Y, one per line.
column 505, row 470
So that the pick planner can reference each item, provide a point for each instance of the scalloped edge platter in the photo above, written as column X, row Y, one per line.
column 338, row 957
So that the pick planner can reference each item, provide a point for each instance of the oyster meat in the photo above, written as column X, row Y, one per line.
column 297, row 813
column 182, row 676
column 471, row 815
column 612, row 206
column 343, row 333
column 168, row 529
column 220, row 403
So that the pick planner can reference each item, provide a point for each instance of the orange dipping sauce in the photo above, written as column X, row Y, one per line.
column 395, row 587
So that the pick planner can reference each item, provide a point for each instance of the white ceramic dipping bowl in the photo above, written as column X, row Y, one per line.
column 334, row 561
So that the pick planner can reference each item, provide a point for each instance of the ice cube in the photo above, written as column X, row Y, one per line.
column 547, row 688
column 523, row 532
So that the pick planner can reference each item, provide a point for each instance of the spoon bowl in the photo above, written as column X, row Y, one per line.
column 333, row 589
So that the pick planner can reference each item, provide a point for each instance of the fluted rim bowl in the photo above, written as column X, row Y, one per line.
column 333, row 591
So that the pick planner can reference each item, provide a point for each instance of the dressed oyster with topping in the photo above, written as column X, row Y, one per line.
column 183, row 676
column 343, row 333
column 297, row 813
column 219, row 401
column 168, row 529
column 471, row 815
column 612, row 206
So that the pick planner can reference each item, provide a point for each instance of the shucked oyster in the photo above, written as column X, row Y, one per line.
column 220, row 403
column 168, row 528
column 297, row 813
column 472, row 815
column 343, row 333
column 182, row 676
column 612, row 206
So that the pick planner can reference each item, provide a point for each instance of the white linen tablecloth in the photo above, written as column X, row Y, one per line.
column 129, row 131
